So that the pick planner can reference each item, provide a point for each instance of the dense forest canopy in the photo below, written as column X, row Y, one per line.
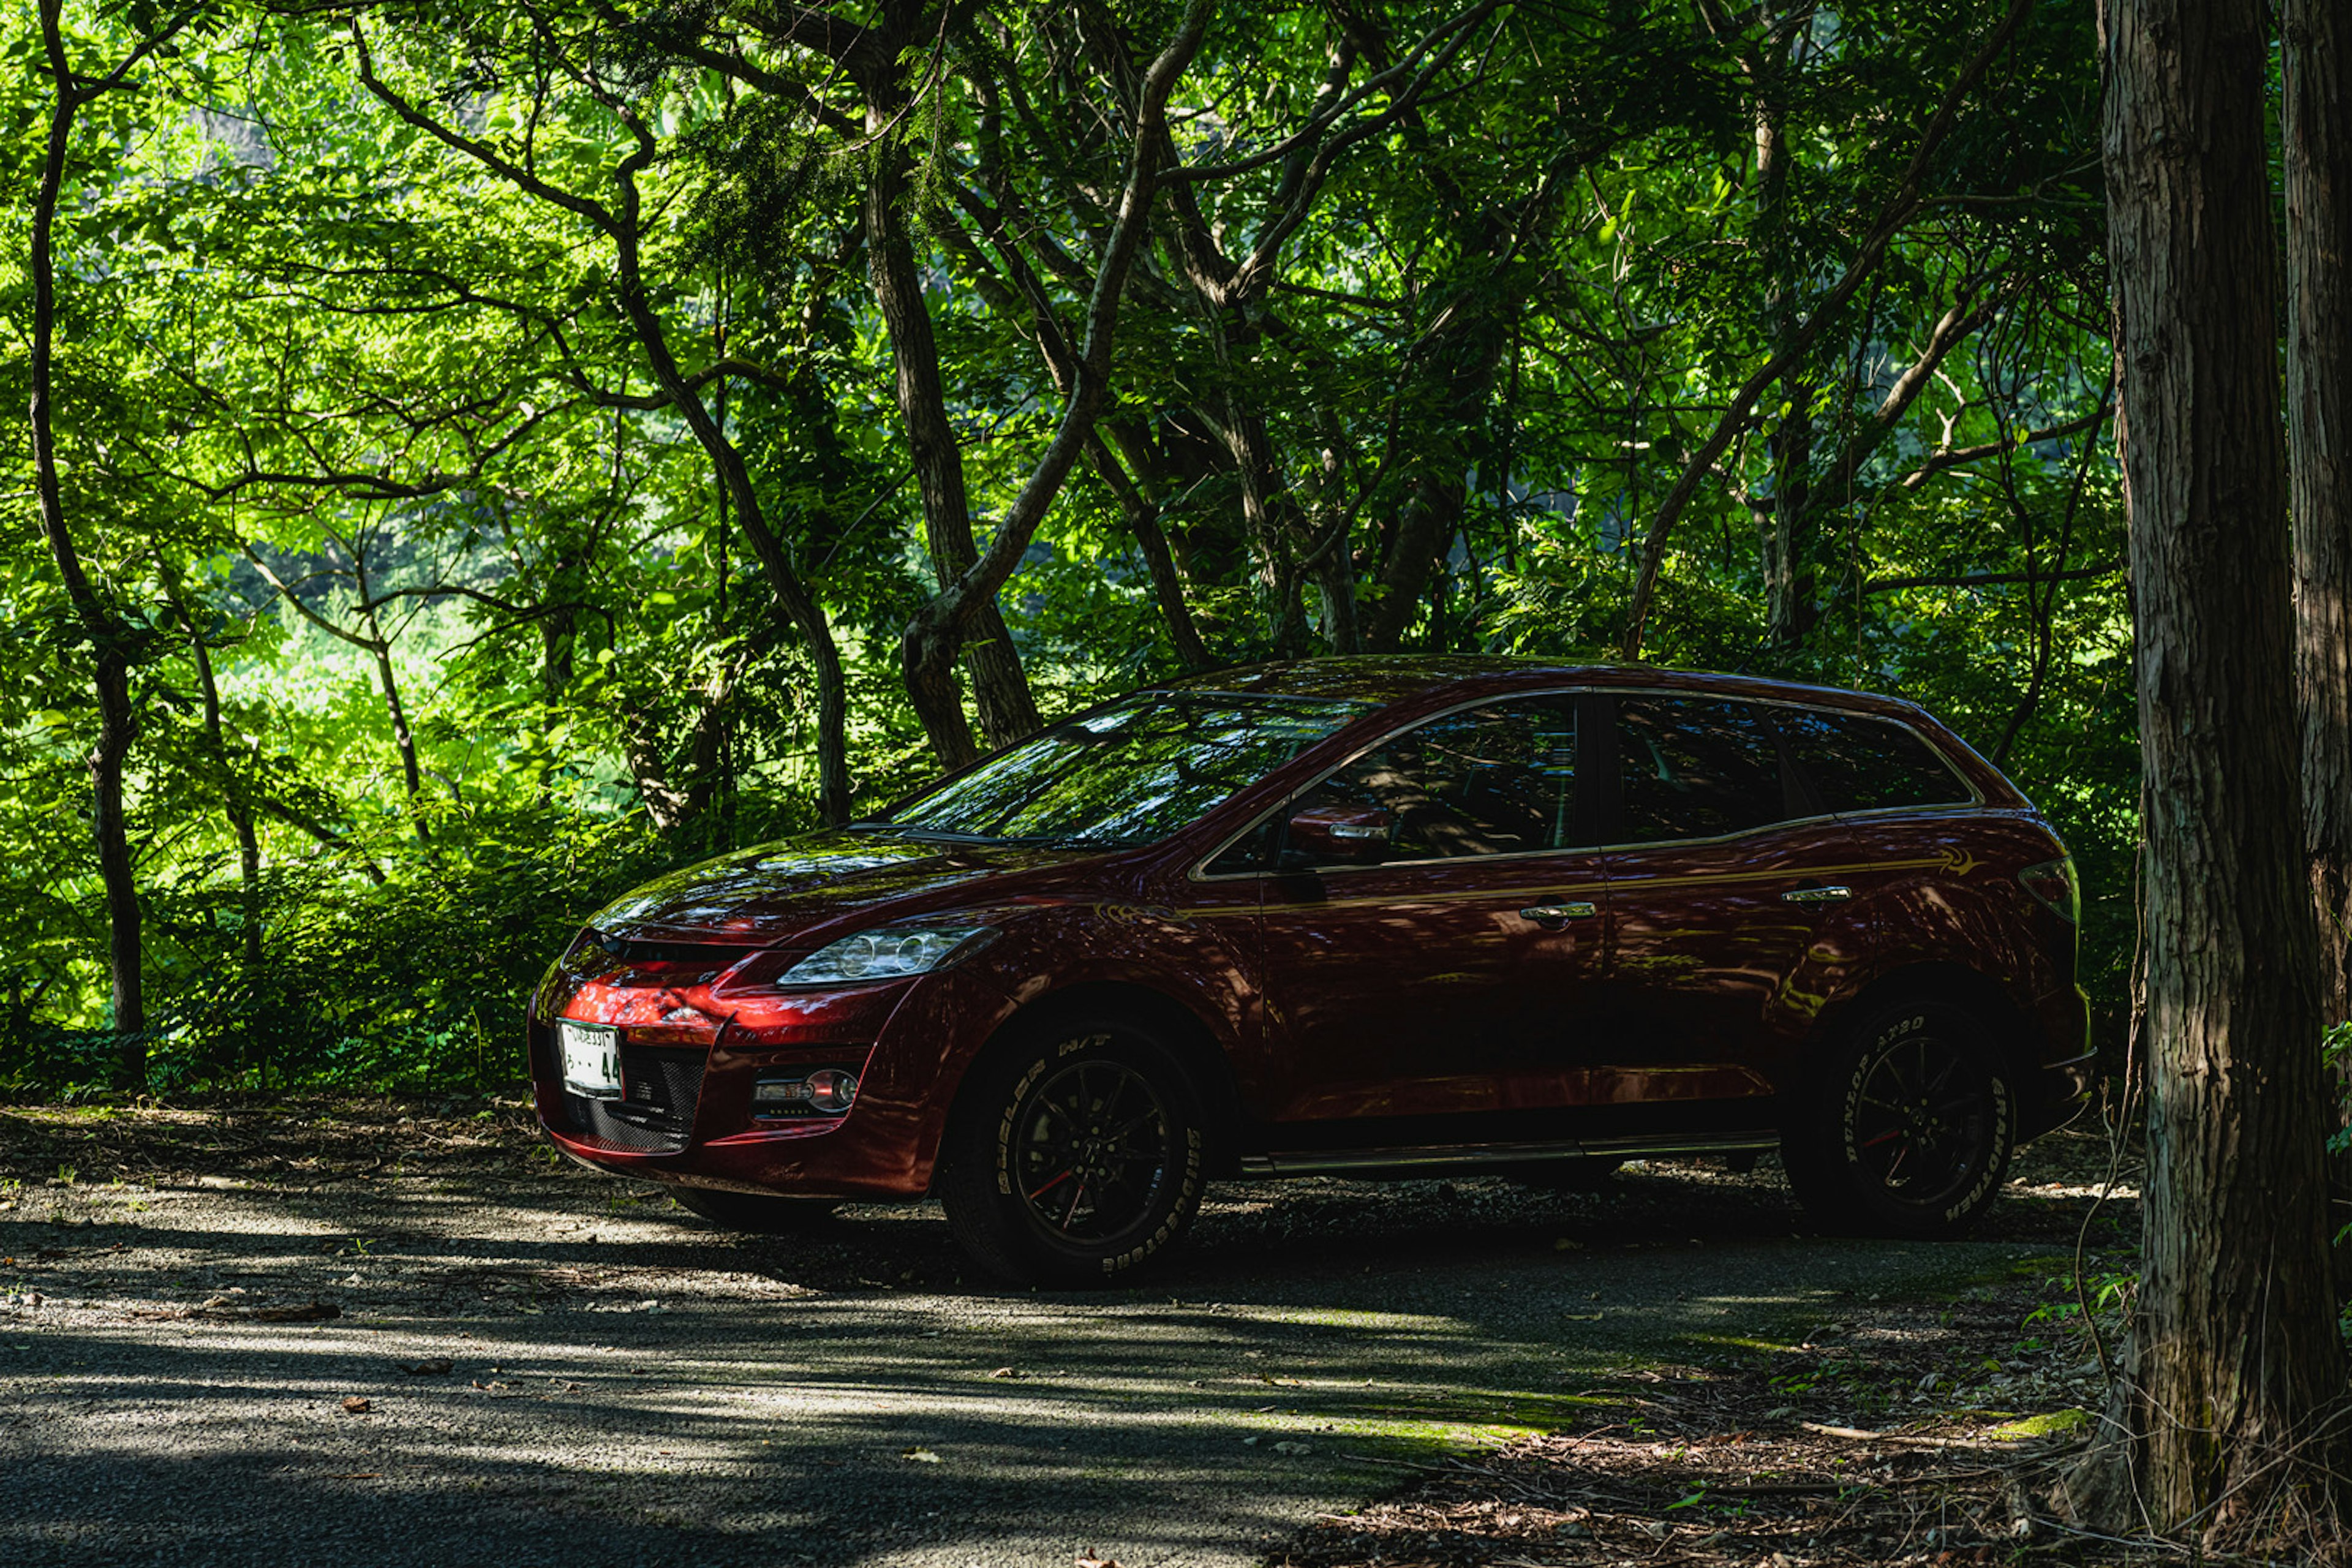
column 492, row 452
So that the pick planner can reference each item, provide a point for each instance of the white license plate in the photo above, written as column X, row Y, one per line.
column 591, row 1058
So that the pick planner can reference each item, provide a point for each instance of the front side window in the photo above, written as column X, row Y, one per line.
column 1130, row 774
column 1858, row 762
column 1694, row 767
column 1498, row 779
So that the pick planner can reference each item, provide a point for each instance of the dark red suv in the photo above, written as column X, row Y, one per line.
column 1381, row 916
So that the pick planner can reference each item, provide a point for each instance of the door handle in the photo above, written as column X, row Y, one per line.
column 1817, row 894
column 1551, row 915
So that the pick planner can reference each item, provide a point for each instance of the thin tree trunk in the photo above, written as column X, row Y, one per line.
column 2318, row 137
column 1788, row 446
column 784, row 585
column 235, row 805
column 941, row 625
column 1000, row 688
column 110, row 638
column 1167, row 588
column 2229, row 1418
column 379, row 649
column 1899, row 210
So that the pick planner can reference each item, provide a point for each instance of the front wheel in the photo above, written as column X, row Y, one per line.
column 1908, row 1127
column 1076, row 1156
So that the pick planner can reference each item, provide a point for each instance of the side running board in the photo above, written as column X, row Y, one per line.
column 1488, row 1156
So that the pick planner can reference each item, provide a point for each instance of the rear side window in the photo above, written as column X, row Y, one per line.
column 1857, row 763
column 1694, row 767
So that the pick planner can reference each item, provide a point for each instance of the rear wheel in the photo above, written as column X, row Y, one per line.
column 759, row 1213
column 1077, row 1155
column 1909, row 1126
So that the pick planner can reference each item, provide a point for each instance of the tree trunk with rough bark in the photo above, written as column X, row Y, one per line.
column 931, row 648
column 236, row 804
column 1788, row 445
column 2229, row 1423
column 2318, row 140
column 109, row 638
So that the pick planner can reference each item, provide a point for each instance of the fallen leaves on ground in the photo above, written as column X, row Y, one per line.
column 1717, row 1467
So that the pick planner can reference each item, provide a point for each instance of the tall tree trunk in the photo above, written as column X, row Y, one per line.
column 1427, row 524
column 1000, row 688
column 1788, row 587
column 234, row 803
column 110, row 638
column 1142, row 515
column 2234, row 1357
column 625, row 230
column 2318, row 137
column 791, row 595
column 379, row 649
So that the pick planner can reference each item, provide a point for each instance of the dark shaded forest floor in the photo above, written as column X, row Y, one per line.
column 1676, row 1371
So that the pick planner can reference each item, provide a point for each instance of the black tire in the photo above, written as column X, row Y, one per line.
column 1076, row 1156
column 1908, row 1127
column 758, row 1213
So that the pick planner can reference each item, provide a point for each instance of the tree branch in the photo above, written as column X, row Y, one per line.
column 1897, row 212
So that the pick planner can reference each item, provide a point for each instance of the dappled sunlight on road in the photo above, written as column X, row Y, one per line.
column 625, row 1385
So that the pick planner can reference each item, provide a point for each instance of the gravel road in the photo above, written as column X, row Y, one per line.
column 557, row 1368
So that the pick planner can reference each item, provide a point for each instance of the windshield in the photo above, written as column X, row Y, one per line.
column 1130, row 775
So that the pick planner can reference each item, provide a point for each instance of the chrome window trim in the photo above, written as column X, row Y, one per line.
column 1976, row 795
column 1198, row 873
column 1976, row 801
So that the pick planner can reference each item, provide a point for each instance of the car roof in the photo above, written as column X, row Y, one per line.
column 1395, row 677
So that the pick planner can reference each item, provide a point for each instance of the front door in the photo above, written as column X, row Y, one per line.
column 1442, row 975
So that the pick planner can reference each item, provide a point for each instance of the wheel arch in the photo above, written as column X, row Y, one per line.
column 2017, row 1035
column 1174, row 1024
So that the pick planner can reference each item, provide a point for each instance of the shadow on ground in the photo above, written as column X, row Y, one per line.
column 625, row 1385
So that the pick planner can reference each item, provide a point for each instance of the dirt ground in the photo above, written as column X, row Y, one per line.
column 405, row 1331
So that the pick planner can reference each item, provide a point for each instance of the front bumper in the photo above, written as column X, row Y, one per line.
column 687, row 1116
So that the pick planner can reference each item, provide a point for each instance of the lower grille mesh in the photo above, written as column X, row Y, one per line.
column 656, row 1112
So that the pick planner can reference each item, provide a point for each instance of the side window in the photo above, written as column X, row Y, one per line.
column 1860, row 763
column 1694, row 767
column 1495, row 780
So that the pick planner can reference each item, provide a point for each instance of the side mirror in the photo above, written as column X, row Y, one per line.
column 1337, row 834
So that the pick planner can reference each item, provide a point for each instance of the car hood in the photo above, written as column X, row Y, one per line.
column 766, row 896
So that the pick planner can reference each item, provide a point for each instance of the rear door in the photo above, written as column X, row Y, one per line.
column 1723, row 866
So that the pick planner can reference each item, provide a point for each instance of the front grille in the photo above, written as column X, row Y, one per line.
column 655, row 1114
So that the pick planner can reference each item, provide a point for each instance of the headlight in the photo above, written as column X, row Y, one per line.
column 887, row 953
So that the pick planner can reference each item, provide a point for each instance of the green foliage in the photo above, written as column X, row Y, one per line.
column 444, row 627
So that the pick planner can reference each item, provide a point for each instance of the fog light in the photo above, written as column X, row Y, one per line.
column 829, row 1089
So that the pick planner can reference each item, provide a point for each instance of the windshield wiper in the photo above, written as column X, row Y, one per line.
column 937, row 834
column 1072, row 841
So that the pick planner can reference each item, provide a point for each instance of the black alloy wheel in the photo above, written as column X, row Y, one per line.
column 1077, row 1155
column 1909, row 1127
column 1091, row 1148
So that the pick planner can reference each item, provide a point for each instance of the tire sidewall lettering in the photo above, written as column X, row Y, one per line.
column 1186, row 1189
column 2002, row 1110
column 1173, row 1220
